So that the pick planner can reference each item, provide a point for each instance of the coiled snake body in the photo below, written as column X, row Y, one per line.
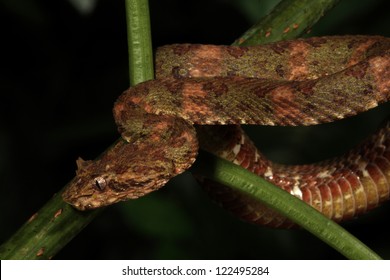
column 216, row 88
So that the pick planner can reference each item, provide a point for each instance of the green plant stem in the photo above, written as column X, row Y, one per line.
column 289, row 19
column 240, row 179
column 139, row 41
column 56, row 223
column 47, row 231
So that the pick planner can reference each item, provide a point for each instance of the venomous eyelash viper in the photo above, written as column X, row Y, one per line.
column 203, row 92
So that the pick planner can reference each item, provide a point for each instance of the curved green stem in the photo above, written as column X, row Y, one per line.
column 288, row 20
column 57, row 223
column 240, row 179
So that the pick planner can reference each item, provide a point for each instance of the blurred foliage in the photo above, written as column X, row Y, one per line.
column 63, row 65
column 84, row 6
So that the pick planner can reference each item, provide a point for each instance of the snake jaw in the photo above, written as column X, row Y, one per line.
column 84, row 190
column 89, row 191
column 127, row 171
column 94, row 201
column 84, row 193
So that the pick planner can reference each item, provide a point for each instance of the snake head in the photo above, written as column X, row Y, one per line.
column 90, row 190
column 153, row 149
column 93, row 186
column 111, row 179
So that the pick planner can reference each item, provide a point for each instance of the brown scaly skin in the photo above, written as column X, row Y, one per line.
column 131, row 170
column 340, row 188
column 299, row 82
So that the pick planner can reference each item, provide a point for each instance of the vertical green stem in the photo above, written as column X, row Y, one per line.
column 139, row 41
column 56, row 223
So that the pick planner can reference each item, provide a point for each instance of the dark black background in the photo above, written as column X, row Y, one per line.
column 60, row 72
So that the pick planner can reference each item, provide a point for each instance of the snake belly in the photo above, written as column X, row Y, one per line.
column 288, row 83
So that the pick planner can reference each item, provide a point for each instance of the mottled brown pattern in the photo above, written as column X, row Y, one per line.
column 300, row 82
column 279, row 69
column 380, row 67
column 298, row 63
column 318, row 41
column 308, row 88
column 340, row 188
column 280, row 48
column 357, row 72
column 237, row 52
column 181, row 50
column 215, row 88
column 178, row 72
column 359, row 51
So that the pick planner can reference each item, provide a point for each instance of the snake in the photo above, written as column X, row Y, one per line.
column 203, row 93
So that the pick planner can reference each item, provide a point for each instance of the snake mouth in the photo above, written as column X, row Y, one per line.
column 86, row 202
column 93, row 201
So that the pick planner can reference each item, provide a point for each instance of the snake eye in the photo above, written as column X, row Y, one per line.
column 100, row 183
